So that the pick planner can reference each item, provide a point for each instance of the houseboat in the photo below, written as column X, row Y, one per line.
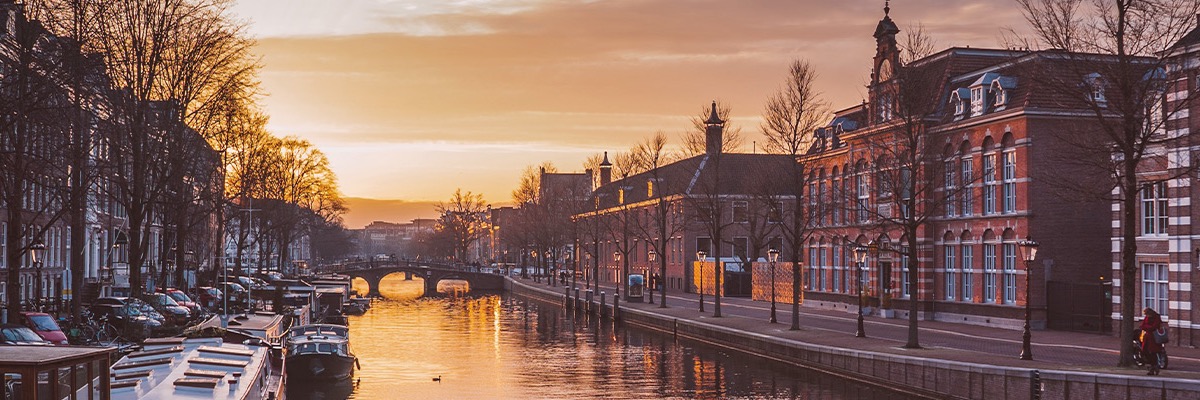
column 196, row 368
column 319, row 352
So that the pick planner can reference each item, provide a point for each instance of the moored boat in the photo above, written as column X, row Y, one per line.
column 195, row 368
column 319, row 352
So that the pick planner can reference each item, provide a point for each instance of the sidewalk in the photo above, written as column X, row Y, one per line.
column 1052, row 350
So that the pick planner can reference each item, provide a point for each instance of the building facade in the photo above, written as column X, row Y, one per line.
column 948, row 167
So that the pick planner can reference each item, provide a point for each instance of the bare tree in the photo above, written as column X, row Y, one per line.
column 462, row 220
column 1112, row 65
column 791, row 118
column 663, row 222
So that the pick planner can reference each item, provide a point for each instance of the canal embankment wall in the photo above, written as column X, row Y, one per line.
column 919, row 376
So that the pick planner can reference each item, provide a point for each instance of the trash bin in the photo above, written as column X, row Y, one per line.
column 637, row 286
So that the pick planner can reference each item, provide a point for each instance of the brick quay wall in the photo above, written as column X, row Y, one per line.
column 923, row 377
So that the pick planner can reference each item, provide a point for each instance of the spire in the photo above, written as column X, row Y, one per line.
column 605, row 171
column 886, row 30
column 713, row 119
column 713, row 132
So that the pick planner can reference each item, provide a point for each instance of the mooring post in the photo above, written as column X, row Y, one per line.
column 602, row 301
column 567, row 298
column 577, row 297
column 589, row 295
column 616, row 308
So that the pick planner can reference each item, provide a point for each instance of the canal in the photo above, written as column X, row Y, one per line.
column 501, row 347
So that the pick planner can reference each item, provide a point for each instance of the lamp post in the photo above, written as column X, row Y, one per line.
column 651, row 256
column 700, row 260
column 552, row 267
column 860, row 257
column 773, row 256
column 1028, row 253
column 620, row 279
column 35, row 254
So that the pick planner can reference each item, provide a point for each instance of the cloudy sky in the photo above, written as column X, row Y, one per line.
column 411, row 99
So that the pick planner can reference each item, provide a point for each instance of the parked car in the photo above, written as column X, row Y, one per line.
column 247, row 282
column 209, row 297
column 129, row 320
column 44, row 326
column 184, row 300
column 20, row 335
column 235, row 293
column 142, row 307
column 174, row 313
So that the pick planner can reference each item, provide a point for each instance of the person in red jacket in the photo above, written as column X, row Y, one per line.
column 1150, row 347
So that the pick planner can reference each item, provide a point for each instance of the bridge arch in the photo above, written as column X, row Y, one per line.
column 373, row 273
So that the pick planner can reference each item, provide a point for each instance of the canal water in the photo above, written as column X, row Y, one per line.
column 502, row 347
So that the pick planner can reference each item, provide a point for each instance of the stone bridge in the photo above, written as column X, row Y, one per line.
column 375, row 270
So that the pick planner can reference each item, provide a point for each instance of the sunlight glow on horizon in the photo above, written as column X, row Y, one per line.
column 411, row 99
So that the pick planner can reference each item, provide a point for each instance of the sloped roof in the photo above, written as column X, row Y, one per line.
column 739, row 174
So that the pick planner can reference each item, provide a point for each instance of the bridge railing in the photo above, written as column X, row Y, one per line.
column 371, row 264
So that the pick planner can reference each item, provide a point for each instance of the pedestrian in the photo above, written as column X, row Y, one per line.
column 1151, row 322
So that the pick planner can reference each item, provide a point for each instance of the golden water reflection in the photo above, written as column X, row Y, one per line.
column 500, row 347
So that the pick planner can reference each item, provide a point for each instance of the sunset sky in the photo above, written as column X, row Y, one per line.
column 411, row 99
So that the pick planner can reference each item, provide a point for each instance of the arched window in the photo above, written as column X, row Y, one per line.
column 990, row 270
column 949, row 265
column 1010, row 267
column 1008, row 170
column 990, row 182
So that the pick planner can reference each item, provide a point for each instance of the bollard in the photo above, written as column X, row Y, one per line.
column 616, row 308
column 588, row 295
column 602, row 300
column 1035, row 385
column 567, row 298
column 577, row 297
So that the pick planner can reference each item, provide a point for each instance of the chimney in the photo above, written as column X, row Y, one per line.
column 605, row 171
column 713, row 130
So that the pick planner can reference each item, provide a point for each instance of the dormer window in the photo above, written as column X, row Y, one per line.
column 961, row 99
column 1094, row 84
column 983, row 96
column 977, row 103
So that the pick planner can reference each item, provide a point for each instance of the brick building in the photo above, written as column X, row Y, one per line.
column 629, row 218
column 984, row 157
column 1167, row 247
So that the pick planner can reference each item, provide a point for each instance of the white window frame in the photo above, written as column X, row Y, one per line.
column 968, row 273
column 948, row 186
column 1154, row 208
column 989, row 273
column 951, row 271
column 1009, row 171
column 989, row 184
column 1155, row 286
column 1010, row 273
column 966, row 172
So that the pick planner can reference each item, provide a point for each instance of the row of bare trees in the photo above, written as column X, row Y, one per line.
column 144, row 113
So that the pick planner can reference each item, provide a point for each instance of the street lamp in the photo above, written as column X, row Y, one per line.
column 1028, row 253
column 651, row 256
column 860, row 257
column 35, row 254
column 773, row 256
column 700, row 259
column 551, row 267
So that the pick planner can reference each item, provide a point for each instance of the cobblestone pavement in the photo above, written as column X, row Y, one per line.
column 1052, row 350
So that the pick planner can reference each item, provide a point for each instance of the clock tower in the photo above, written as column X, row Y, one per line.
column 887, row 59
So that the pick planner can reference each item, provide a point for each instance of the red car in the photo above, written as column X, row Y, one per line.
column 184, row 300
column 44, row 325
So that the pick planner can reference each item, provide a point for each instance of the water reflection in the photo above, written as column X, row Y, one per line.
column 491, row 347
